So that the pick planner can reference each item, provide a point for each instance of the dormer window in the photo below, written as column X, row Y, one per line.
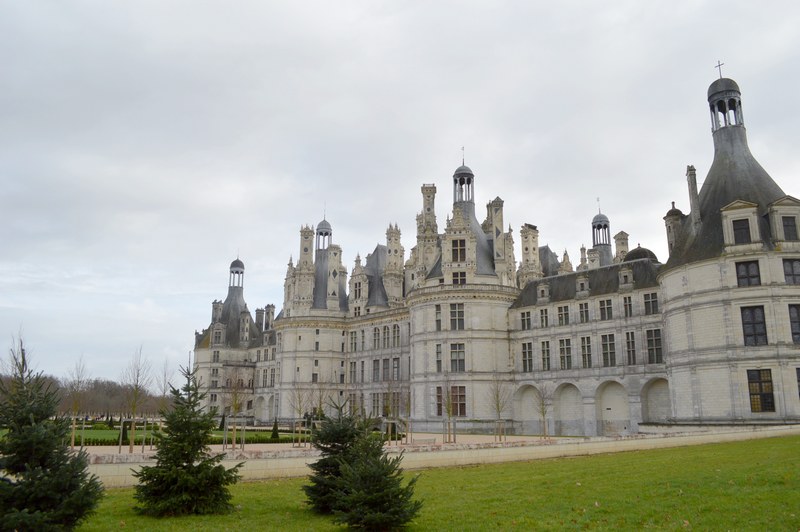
column 459, row 250
column 789, row 227
column 741, row 232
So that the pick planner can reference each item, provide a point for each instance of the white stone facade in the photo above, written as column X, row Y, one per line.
column 460, row 331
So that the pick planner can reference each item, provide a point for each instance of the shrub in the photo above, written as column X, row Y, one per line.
column 334, row 437
column 275, row 435
column 369, row 491
column 43, row 486
column 186, row 479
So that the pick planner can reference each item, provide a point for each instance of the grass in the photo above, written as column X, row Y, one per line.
column 751, row 485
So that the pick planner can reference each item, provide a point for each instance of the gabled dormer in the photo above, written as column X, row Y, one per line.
column 625, row 275
column 740, row 231
column 784, row 217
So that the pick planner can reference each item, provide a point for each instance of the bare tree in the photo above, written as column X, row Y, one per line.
column 542, row 404
column 299, row 401
column 136, row 379
column 445, row 398
column 238, row 388
column 76, row 386
column 163, row 386
column 499, row 397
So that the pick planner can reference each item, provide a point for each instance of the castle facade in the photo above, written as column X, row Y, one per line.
column 462, row 332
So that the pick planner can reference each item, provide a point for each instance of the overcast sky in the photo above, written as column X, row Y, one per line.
column 144, row 145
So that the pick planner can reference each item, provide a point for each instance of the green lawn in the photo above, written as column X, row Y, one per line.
column 753, row 485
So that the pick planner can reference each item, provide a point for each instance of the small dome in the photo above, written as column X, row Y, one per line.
column 600, row 218
column 722, row 85
column 237, row 265
column 640, row 253
column 324, row 227
column 463, row 170
column 674, row 211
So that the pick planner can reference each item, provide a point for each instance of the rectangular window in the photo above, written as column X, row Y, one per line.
column 363, row 371
column 353, row 371
column 376, row 405
column 651, row 304
column 525, row 318
column 213, row 398
column 386, row 337
column 457, row 363
column 791, row 271
column 459, row 251
column 438, row 358
column 395, row 335
column 586, row 351
column 459, row 278
column 353, row 342
column 314, row 377
column 363, row 339
column 630, row 347
column 759, row 381
column 527, row 357
column 395, row 369
column 272, row 378
column 546, row 355
column 376, row 371
column 789, row 227
column 217, row 337
column 357, row 311
column 609, row 350
column 438, row 310
column 654, row 353
column 376, row 338
column 741, row 232
column 754, row 326
column 583, row 312
column 565, row 353
column 605, row 310
column 457, row 316
column 439, row 401
column 794, row 322
column 458, row 399
column 215, row 356
column 797, row 370
column 563, row 315
column 264, row 379
column 214, row 383
column 543, row 321
column 316, row 346
column 747, row 273
column 385, row 369
column 357, row 290
column 627, row 305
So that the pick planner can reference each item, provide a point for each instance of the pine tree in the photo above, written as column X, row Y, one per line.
column 275, row 436
column 369, row 492
column 186, row 479
column 43, row 485
column 334, row 437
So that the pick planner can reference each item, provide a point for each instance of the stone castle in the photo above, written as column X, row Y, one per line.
column 462, row 332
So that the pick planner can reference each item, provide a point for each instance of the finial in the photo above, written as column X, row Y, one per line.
column 462, row 155
column 324, row 210
column 719, row 67
column 598, row 205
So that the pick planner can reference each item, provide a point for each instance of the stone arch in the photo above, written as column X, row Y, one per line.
column 526, row 399
column 655, row 401
column 613, row 411
column 568, row 411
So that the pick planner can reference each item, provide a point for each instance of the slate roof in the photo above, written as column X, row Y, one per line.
column 602, row 281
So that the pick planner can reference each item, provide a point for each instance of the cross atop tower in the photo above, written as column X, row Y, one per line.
column 719, row 67
column 462, row 155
